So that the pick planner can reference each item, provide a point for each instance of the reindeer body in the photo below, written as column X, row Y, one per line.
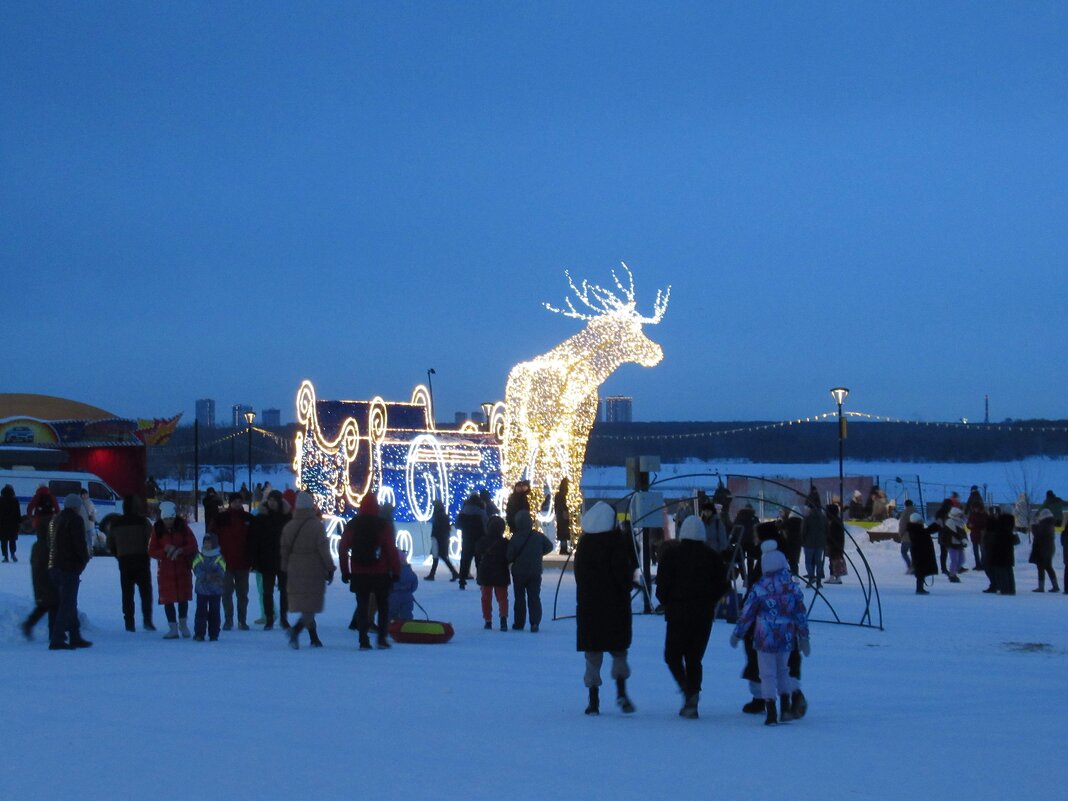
column 551, row 401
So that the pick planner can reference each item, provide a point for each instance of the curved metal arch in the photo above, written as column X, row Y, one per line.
column 868, row 585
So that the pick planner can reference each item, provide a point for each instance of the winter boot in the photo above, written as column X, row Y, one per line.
column 621, row 696
column 172, row 631
column 1053, row 584
column 798, row 705
column 130, row 624
column 283, row 622
column 784, row 705
column 148, row 624
column 183, row 629
column 228, row 624
column 383, row 644
column 353, row 624
column 504, row 624
column 594, row 706
column 268, row 624
column 772, row 718
column 689, row 708
column 365, row 644
column 754, row 707
column 313, row 632
column 488, row 626
column 294, row 636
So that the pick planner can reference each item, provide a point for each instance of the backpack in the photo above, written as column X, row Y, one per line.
column 365, row 550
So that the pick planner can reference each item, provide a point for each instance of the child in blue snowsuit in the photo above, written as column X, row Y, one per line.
column 775, row 609
column 209, row 567
column 402, row 592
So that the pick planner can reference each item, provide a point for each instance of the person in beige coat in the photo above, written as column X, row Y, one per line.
column 307, row 564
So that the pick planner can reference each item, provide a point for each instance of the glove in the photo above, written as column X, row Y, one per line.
column 330, row 577
column 734, row 641
column 805, row 649
column 169, row 550
column 344, row 578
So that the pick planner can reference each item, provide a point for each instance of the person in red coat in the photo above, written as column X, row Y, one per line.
column 369, row 564
column 231, row 528
column 41, row 504
column 174, row 546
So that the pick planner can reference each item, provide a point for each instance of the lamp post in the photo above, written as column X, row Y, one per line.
column 487, row 410
column 839, row 394
column 430, row 390
column 249, row 417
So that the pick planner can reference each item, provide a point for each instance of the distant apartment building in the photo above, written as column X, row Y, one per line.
column 239, row 414
column 617, row 409
column 206, row 413
column 271, row 418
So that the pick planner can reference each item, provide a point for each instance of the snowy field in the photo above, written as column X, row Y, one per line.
column 961, row 696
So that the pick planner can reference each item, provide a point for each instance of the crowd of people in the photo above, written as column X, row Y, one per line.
column 284, row 545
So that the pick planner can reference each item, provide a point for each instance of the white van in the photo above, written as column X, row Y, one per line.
column 25, row 482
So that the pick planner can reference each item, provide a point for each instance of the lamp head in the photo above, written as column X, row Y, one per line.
column 250, row 417
column 839, row 394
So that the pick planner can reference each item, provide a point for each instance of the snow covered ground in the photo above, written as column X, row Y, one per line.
column 961, row 696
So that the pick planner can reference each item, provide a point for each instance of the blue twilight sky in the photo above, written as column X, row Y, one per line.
column 221, row 199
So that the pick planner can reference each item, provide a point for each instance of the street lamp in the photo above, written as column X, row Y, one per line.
column 250, row 416
column 487, row 410
column 430, row 390
column 839, row 394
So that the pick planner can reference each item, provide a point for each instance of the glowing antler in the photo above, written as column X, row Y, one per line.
column 604, row 301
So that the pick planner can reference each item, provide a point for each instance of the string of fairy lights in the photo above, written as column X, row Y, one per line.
column 817, row 418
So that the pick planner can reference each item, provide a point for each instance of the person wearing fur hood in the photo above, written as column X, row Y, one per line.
column 604, row 573
column 775, row 610
column 690, row 580
column 956, row 538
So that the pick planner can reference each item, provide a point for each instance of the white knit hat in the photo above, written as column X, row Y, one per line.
column 915, row 518
column 692, row 529
column 599, row 518
column 304, row 501
column 167, row 509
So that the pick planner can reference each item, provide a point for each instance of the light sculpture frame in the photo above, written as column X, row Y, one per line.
column 551, row 401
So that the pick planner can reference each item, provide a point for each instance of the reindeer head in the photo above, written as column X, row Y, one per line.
column 614, row 316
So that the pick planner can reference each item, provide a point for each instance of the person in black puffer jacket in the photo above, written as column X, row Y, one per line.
column 44, row 593
column 440, row 530
column 10, row 521
column 265, row 555
column 604, row 574
column 690, row 580
column 128, row 538
column 68, row 555
column 493, row 577
column 472, row 524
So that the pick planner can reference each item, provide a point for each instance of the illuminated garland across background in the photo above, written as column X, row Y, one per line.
column 816, row 418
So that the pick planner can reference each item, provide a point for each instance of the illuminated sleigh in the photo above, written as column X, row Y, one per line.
column 347, row 449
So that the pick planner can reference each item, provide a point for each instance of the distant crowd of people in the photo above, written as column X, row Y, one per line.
column 284, row 545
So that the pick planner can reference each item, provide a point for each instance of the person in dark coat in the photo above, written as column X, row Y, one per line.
column 525, row 551
column 1042, row 548
column 68, row 555
column 128, row 538
column 518, row 501
column 44, row 594
column 999, row 552
column 231, row 528
column 690, row 580
column 369, row 563
column 792, row 539
column 924, row 563
column 493, row 579
column 440, row 531
column 212, row 505
column 604, row 573
column 10, row 522
column 563, row 517
column 814, row 540
column 472, row 524
column 835, row 544
column 265, row 557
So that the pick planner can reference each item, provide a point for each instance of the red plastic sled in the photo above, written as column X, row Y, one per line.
column 425, row 632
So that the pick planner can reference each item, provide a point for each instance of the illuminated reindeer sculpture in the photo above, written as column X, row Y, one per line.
column 551, row 401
